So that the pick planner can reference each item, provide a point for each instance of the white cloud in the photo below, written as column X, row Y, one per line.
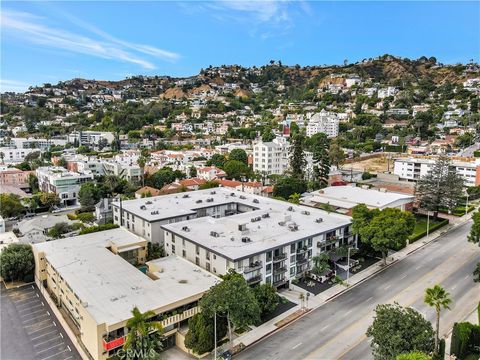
column 12, row 85
column 30, row 28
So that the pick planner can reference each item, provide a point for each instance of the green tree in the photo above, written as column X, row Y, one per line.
column 154, row 251
column 89, row 194
column 59, row 229
column 414, row 355
column 387, row 229
column 33, row 183
column 287, row 186
column 320, row 263
column 234, row 299
column 192, row 171
column 200, row 337
column 10, row 205
column 144, row 336
column 141, row 163
column 294, row 199
column 438, row 298
column 297, row 157
column 476, row 273
column 238, row 154
column 397, row 330
column 474, row 235
column 337, row 155
column 268, row 135
column 267, row 298
column 62, row 162
column 321, row 162
column 49, row 200
column 217, row 160
column 17, row 263
column 236, row 169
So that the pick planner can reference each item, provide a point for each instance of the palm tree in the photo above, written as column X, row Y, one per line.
column 143, row 338
column 141, row 163
column 438, row 298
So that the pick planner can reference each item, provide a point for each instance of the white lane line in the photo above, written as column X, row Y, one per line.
column 48, row 312
column 466, row 277
column 34, row 318
column 27, row 326
column 387, row 287
column 67, row 358
column 33, row 312
column 43, row 304
column 323, row 328
column 418, row 267
column 48, row 357
column 44, row 342
column 28, row 303
column 69, row 348
column 30, row 308
column 46, row 327
column 54, row 323
column 50, row 348
column 454, row 286
column 293, row 348
column 403, row 277
column 39, row 336
column 370, row 298
column 37, row 296
column 61, row 335
column 348, row 312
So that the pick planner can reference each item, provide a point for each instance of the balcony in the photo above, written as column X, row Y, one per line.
column 179, row 317
column 279, row 258
column 114, row 343
column 279, row 269
column 302, row 250
column 254, row 279
column 280, row 281
column 302, row 260
column 257, row 265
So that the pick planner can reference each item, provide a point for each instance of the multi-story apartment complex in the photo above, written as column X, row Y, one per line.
column 90, row 138
column 13, row 176
column 271, row 157
column 124, row 165
column 66, row 184
column 323, row 122
column 32, row 143
column 12, row 155
column 93, row 278
column 412, row 169
column 264, row 239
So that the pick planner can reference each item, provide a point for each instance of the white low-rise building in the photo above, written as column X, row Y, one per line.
column 323, row 122
column 271, row 158
column 12, row 155
column 90, row 138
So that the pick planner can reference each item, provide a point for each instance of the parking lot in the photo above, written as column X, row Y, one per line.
column 29, row 329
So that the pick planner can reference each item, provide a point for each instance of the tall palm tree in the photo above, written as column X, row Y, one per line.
column 143, row 338
column 438, row 298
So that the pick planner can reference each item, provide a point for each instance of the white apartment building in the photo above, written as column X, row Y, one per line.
column 11, row 155
column 412, row 169
column 266, row 240
column 124, row 165
column 271, row 157
column 62, row 182
column 323, row 122
column 387, row 92
column 31, row 143
column 90, row 138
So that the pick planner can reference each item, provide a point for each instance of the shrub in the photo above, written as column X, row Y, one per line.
column 17, row 262
column 86, row 217
column 465, row 336
column 72, row 216
column 98, row 228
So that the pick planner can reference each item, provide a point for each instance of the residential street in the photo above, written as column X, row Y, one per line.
column 337, row 329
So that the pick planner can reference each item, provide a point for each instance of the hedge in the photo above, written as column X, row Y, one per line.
column 476, row 153
column 464, row 337
column 93, row 229
column 432, row 228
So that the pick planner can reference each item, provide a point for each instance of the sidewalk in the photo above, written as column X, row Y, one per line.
column 293, row 294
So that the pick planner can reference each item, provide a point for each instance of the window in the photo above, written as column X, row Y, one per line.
column 207, row 255
column 173, row 239
column 207, row 266
column 292, row 271
column 269, row 268
column 292, row 258
column 184, row 253
column 197, row 261
column 197, row 249
column 269, row 256
column 292, row 248
column 173, row 249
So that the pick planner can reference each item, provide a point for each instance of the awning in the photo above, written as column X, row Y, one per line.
column 128, row 248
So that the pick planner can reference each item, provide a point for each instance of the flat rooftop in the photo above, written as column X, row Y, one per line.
column 349, row 196
column 264, row 233
column 109, row 287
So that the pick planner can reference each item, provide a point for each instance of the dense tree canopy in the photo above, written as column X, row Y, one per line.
column 17, row 263
column 287, row 186
column 10, row 205
column 238, row 154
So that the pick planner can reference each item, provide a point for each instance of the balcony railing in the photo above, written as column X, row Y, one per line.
column 279, row 282
column 302, row 250
column 302, row 260
column 279, row 258
column 180, row 317
column 254, row 279
column 114, row 343
column 257, row 265
column 280, row 269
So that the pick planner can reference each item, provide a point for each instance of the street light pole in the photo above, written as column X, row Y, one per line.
column 348, row 263
column 215, row 334
column 466, row 206
column 428, row 222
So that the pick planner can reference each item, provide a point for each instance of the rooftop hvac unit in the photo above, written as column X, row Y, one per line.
column 186, row 196
column 210, row 200
column 232, row 194
column 242, row 197
column 148, row 203
column 246, row 239
column 213, row 192
column 198, row 201
column 242, row 227
column 293, row 227
column 290, row 208
column 267, row 215
column 143, row 207
column 186, row 228
column 305, row 212
column 214, row 234
column 281, row 223
column 319, row 220
column 255, row 201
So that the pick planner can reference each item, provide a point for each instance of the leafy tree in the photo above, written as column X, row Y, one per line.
column 294, row 199
column 217, row 160
column 238, row 154
column 62, row 162
column 474, row 235
column 154, row 251
column 320, row 263
column 297, row 157
column 209, row 185
column 144, row 336
column 441, row 187
column 236, row 169
column 268, row 135
column 476, row 273
column 33, row 183
column 386, row 229
column 86, row 217
column 164, row 176
column 438, row 298
column 17, row 263
column 234, row 299
column 192, row 171
column 287, row 186
column 200, row 337
column 141, row 163
column 337, row 155
column 321, row 161
column 397, row 330
column 49, row 200
column 89, row 194
column 10, row 205
column 83, row 149
column 59, row 229
column 267, row 298
column 414, row 355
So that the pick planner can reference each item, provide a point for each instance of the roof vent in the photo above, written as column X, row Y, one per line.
column 186, row 228
column 232, row 194
column 281, row 223
column 213, row 192
column 143, row 207
column 210, row 200
column 305, row 212
column 246, row 239
column 242, row 197
column 293, row 227
column 267, row 215
column 242, row 227
column 319, row 220
column 198, row 201
column 148, row 203
column 214, row 234
column 256, row 201
column 290, row 208
column 185, row 196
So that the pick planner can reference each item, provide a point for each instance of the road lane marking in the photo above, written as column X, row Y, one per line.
column 69, row 348
column 388, row 286
column 61, row 335
column 44, row 342
column 323, row 328
column 453, row 287
column 33, row 312
column 370, row 298
column 348, row 312
column 30, row 308
column 38, row 337
column 466, row 277
column 54, row 323
column 403, row 277
column 34, row 318
column 48, row 357
column 50, row 348
column 418, row 267
column 293, row 348
column 27, row 326
column 46, row 327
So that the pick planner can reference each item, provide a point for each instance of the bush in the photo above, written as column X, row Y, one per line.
column 465, row 336
column 98, row 228
column 366, row 175
column 86, row 217
column 476, row 153
column 17, row 262
column 72, row 216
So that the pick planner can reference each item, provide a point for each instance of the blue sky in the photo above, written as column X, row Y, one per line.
column 51, row 41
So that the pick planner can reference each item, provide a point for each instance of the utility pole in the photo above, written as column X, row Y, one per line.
column 428, row 222
column 215, row 334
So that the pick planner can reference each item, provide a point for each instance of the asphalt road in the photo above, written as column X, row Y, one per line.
column 337, row 329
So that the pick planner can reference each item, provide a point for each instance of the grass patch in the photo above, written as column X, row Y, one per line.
column 421, row 226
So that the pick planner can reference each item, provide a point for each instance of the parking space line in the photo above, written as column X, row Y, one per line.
column 51, row 347
column 27, row 326
column 67, row 358
column 26, row 304
column 38, row 337
column 46, row 341
column 34, row 318
column 40, row 329
column 34, row 312
column 30, row 308
column 48, row 357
